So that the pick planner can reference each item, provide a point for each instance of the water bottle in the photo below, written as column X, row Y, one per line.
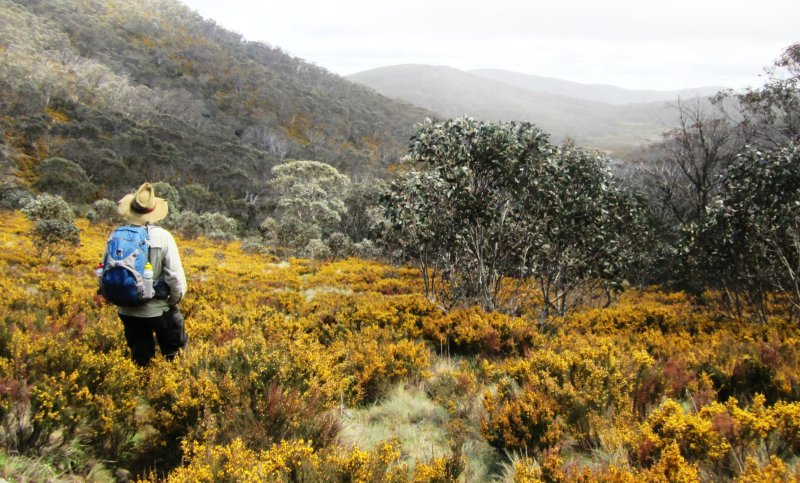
column 98, row 270
column 147, row 275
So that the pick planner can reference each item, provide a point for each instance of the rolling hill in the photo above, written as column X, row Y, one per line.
column 615, row 128
column 590, row 92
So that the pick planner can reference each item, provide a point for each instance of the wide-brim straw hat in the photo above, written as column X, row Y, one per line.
column 143, row 206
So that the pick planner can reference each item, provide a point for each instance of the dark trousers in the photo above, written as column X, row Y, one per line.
column 169, row 330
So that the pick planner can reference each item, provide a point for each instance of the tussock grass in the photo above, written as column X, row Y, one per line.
column 20, row 468
column 54, row 467
column 482, row 460
column 405, row 414
column 508, row 468
column 424, row 429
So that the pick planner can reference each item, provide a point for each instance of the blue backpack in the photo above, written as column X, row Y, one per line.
column 127, row 253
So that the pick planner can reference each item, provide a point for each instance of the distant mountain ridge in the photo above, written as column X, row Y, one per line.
column 592, row 92
column 615, row 128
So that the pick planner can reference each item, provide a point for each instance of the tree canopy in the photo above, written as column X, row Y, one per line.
column 749, row 242
column 482, row 204
column 310, row 191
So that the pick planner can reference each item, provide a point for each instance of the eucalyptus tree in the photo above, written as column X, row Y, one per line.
column 771, row 113
column 589, row 236
column 688, row 163
column 749, row 243
column 486, row 209
column 310, row 202
column 310, row 191
column 363, row 216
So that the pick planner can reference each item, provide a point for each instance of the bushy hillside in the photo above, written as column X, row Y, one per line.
column 134, row 89
column 302, row 371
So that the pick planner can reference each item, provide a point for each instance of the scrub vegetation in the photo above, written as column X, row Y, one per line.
column 344, row 371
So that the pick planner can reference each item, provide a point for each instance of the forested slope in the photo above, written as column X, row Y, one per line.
column 129, row 89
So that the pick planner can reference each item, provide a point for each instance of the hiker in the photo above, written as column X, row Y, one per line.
column 143, row 275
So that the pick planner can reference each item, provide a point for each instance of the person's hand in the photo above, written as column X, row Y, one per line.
column 99, row 300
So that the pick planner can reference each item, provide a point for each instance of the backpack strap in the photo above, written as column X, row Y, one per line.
column 160, row 278
column 147, row 240
column 148, row 226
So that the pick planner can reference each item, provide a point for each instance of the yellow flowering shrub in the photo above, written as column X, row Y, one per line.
column 405, row 314
column 586, row 381
column 671, row 467
column 695, row 435
column 70, row 390
column 473, row 331
column 298, row 460
column 178, row 396
column 519, row 422
column 453, row 388
column 548, row 468
column 653, row 387
column 236, row 462
column 774, row 470
column 786, row 417
column 373, row 361
column 753, row 423
column 639, row 311
column 307, row 365
column 526, row 470
column 757, row 427
column 438, row 470
column 366, row 276
column 355, row 464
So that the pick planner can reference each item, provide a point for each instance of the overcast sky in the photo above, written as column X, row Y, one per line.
column 638, row 44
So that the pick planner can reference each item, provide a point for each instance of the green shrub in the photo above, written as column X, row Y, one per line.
column 340, row 245
column 269, row 230
column 212, row 225
column 367, row 249
column 255, row 247
column 194, row 197
column 104, row 211
column 187, row 223
column 12, row 196
column 292, row 233
column 165, row 190
column 218, row 226
column 66, row 178
column 54, row 221
column 317, row 250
